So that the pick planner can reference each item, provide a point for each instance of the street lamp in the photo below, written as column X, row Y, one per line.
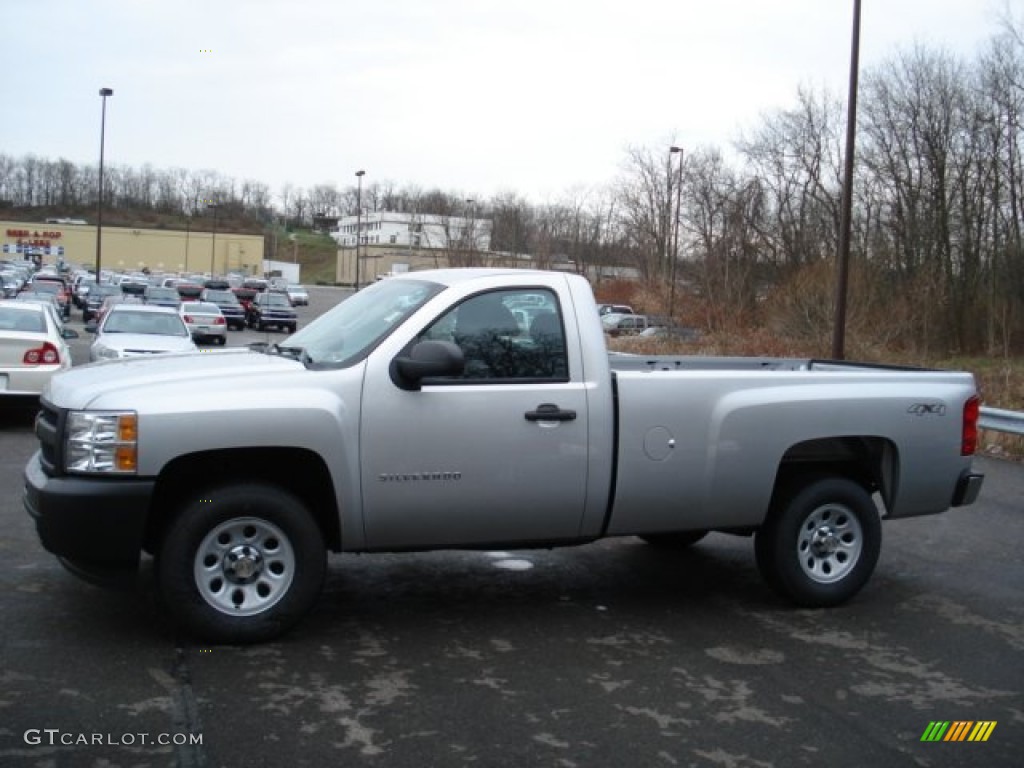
column 213, row 245
column 359, row 219
column 675, row 236
column 104, row 92
column 846, row 201
column 188, row 232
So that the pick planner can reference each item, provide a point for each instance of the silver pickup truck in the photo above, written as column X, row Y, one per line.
column 477, row 409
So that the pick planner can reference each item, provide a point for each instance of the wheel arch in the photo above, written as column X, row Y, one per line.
column 298, row 470
column 870, row 461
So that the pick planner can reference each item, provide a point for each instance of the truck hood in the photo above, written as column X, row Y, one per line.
column 81, row 386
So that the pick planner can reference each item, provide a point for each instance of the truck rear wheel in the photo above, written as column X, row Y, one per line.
column 242, row 564
column 820, row 543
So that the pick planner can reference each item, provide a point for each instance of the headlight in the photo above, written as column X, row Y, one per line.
column 102, row 441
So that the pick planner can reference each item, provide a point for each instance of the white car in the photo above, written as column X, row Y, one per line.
column 32, row 347
column 297, row 295
column 204, row 320
column 129, row 330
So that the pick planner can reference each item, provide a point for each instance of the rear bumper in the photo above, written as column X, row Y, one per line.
column 98, row 524
column 967, row 488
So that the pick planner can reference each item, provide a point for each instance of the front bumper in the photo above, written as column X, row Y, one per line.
column 96, row 524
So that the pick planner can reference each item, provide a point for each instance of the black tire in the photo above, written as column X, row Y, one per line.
column 291, row 328
column 241, row 564
column 820, row 543
column 221, row 341
column 260, row 327
column 680, row 540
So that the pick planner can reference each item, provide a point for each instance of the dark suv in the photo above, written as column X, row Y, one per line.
column 272, row 309
column 94, row 299
column 229, row 305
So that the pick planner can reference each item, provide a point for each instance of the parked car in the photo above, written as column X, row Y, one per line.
column 134, row 286
column 189, row 291
column 129, row 330
column 619, row 324
column 256, row 283
column 204, row 321
column 110, row 302
column 229, row 305
column 216, row 284
column 620, row 309
column 272, row 309
column 80, row 288
column 162, row 297
column 41, row 297
column 33, row 347
column 297, row 294
column 53, row 284
column 95, row 298
column 245, row 297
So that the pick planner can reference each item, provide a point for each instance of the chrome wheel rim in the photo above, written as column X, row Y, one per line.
column 829, row 544
column 244, row 566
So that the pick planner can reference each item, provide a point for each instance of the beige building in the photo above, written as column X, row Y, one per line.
column 126, row 249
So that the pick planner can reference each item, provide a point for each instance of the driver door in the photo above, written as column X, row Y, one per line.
column 475, row 460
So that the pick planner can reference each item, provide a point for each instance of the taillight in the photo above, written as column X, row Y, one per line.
column 189, row 320
column 45, row 355
column 219, row 321
column 969, row 432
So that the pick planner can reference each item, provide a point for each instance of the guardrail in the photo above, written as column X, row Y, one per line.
column 999, row 420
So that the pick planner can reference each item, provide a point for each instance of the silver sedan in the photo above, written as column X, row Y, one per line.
column 32, row 347
column 205, row 321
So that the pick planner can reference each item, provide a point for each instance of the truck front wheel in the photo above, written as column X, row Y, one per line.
column 820, row 543
column 241, row 564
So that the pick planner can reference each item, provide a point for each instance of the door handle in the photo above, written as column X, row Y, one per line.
column 550, row 412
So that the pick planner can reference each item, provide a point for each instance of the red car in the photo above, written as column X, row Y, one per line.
column 54, row 284
column 245, row 297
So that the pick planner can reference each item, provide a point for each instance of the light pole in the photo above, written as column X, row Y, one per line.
column 359, row 219
column 213, row 245
column 104, row 92
column 846, row 204
column 675, row 235
column 188, row 232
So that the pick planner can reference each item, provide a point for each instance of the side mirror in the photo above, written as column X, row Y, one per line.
column 69, row 333
column 427, row 360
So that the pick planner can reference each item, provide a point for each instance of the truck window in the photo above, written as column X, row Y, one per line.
column 512, row 334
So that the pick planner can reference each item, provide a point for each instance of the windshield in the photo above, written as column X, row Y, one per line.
column 352, row 329
column 159, row 324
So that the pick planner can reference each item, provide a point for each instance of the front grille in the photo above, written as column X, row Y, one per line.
column 49, row 428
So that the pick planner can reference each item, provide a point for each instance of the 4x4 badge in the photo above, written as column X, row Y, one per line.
column 927, row 409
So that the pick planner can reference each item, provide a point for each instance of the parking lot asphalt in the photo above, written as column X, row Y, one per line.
column 610, row 654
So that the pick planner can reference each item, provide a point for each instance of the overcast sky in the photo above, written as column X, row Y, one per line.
column 472, row 96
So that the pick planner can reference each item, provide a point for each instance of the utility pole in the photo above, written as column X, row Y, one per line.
column 846, row 205
column 359, row 219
